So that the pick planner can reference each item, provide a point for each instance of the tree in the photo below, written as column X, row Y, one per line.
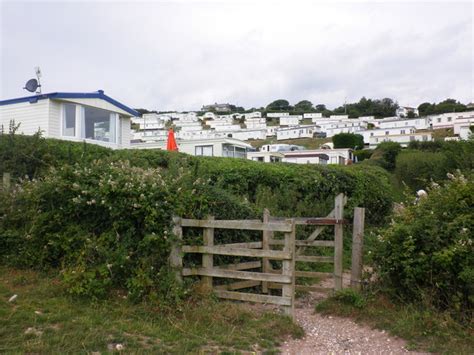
column 411, row 114
column 348, row 140
column 320, row 108
column 304, row 106
column 279, row 105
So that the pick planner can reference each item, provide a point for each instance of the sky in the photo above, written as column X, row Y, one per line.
column 180, row 55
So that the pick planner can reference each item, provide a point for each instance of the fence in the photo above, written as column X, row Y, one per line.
column 266, row 250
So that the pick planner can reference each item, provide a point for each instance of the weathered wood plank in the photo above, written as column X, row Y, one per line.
column 242, row 275
column 238, row 224
column 322, row 221
column 175, row 258
column 338, row 237
column 241, row 266
column 219, row 250
column 306, row 243
column 266, row 266
column 357, row 246
column 249, row 245
column 312, row 274
column 315, row 259
column 238, row 285
column 288, row 269
column 208, row 259
column 251, row 297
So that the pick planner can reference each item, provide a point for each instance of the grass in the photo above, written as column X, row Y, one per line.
column 423, row 328
column 43, row 319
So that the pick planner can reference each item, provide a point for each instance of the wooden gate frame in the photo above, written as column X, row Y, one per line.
column 334, row 218
column 269, row 278
column 285, row 279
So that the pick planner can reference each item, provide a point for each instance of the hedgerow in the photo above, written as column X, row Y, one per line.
column 105, row 222
column 427, row 253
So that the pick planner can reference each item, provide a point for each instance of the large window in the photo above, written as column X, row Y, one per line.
column 69, row 120
column 84, row 122
column 233, row 151
column 204, row 150
column 99, row 125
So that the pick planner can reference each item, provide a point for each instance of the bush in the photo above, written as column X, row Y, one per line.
column 385, row 155
column 427, row 253
column 348, row 140
column 363, row 154
column 416, row 169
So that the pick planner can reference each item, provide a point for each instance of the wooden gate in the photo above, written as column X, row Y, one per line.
column 285, row 278
column 288, row 251
column 334, row 218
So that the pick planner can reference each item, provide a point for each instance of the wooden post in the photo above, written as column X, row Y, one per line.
column 357, row 245
column 288, row 290
column 208, row 259
column 266, row 246
column 6, row 181
column 176, row 258
column 338, row 236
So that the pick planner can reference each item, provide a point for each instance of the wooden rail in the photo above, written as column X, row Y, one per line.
column 288, row 251
column 259, row 249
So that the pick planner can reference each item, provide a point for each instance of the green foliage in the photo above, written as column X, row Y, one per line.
column 426, row 161
column 350, row 297
column 448, row 105
column 279, row 105
column 304, row 106
column 416, row 169
column 363, row 154
column 369, row 107
column 427, row 253
column 348, row 140
column 106, row 223
column 385, row 155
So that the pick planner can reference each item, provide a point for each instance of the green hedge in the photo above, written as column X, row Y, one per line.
column 427, row 253
column 103, row 217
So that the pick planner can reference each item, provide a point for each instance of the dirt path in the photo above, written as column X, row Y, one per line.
column 335, row 335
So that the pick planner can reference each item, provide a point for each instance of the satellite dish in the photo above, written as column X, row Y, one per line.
column 31, row 85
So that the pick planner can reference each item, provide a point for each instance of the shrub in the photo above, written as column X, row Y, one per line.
column 348, row 140
column 385, row 154
column 416, row 169
column 363, row 154
column 428, row 252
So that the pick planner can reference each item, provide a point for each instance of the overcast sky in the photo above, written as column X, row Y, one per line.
column 181, row 55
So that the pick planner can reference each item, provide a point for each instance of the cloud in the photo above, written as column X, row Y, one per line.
column 181, row 55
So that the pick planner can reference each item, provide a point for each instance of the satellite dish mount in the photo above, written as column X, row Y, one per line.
column 34, row 85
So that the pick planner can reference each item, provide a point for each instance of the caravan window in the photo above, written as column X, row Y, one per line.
column 99, row 125
column 69, row 120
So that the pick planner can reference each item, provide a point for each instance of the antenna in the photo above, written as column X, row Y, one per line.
column 33, row 85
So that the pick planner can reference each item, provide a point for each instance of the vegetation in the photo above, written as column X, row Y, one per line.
column 423, row 162
column 43, row 319
column 448, row 105
column 427, row 252
column 348, row 140
column 423, row 328
column 105, row 223
column 385, row 155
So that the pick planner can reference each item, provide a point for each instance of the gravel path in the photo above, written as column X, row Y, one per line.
column 335, row 335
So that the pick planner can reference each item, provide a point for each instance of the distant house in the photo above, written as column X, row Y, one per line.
column 92, row 117
column 211, row 147
column 217, row 107
column 303, row 131
column 402, row 139
column 404, row 111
